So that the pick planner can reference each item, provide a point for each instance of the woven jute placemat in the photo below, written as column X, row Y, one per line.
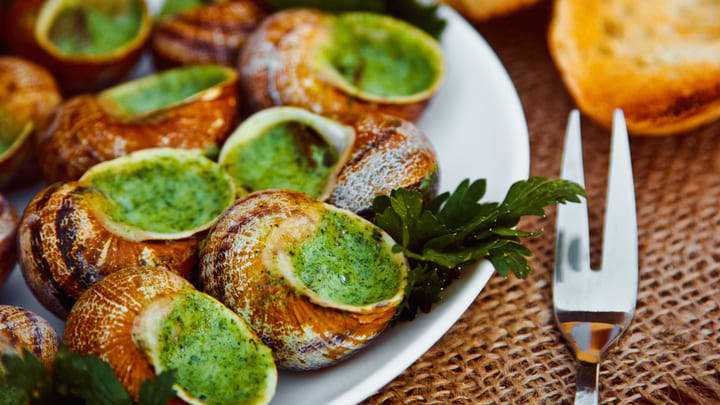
column 506, row 348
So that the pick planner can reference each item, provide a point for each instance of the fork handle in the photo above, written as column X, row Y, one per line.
column 586, row 380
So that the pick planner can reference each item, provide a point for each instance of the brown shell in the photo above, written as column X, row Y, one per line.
column 8, row 232
column 275, row 69
column 20, row 328
column 101, row 321
column 30, row 93
column 84, row 134
column 75, row 74
column 64, row 249
column 303, row 335
column 209, row 34
column 388, row 153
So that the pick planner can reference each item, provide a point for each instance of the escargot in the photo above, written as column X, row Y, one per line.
column 191, row 108
column 314, row 281
column 145, row 321
column 203, row 31
column 28, row 97
column 21, row 330
column 145, row 209
column 335, row 65
column 87, row 44
column 8, row 231
column 348, row 166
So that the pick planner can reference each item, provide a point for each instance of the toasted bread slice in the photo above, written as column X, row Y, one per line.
column 657, row 60
column 479, row 10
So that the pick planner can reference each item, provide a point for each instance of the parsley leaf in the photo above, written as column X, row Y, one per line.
column 441, row 236
column 417, row 12
column 75, row 379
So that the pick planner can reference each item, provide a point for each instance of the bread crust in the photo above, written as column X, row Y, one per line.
column 480, row 10
column 657, row 61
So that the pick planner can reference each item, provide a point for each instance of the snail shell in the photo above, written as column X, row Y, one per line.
column 277, row 68
column 28, row 96
column 64, row 248
column 140, row 319
column 101, row 322
column 212, row 33
column 86, row 132
column 238, row 267
column 20, row 328
column 8, row 232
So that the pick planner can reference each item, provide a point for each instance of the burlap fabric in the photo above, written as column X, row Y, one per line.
column 506, row 348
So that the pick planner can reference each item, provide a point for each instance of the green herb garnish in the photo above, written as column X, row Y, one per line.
column 416, row 12
column 75, row 379
column 441, row 236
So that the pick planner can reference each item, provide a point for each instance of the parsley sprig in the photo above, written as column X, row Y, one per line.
column 421, row 14
column 75, row 379
column 441, row 236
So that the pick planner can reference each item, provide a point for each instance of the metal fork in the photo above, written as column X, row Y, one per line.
column 593, row 308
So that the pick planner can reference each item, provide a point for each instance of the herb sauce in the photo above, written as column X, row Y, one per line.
column 289, row 156
column 347, row 261
column 164, row 195
column 380, row 57
column 96, row 29
column 216, row 359
column 165, row 89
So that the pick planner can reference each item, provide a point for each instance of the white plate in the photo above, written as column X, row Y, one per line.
column 477, row 125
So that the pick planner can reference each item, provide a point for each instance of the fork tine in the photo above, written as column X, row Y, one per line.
column 620, row 239
column 573, row 240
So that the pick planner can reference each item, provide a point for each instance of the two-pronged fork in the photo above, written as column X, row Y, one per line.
column 593, row 308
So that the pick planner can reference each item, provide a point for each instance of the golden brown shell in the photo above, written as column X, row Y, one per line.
column 101, row 322
column 388, row 153
column 64, row 249
column 302, row 334
column 209, row 34
column 83, row 133
column 8, row 232
column 20, row 328
column 76, row 74
column 276, row 69
column 30, row 94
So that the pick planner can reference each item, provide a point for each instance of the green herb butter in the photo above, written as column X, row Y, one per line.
column 165, row 89
column 171, row 7
column 96, row 28
column 10, row 130
column 289, row 156
column 381, row 56
column 216, row 357
column 163, row 194
column 347, row 262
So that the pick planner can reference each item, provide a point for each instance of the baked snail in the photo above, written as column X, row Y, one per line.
column 348, row 166
column 28, row 97
column 203, row 31
column 149, row 208
column 144, row 321
column 192, row 108
column 24, row 330
column 334, row 65
column 315, row 282
column 88, row 44
column 8, row 231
